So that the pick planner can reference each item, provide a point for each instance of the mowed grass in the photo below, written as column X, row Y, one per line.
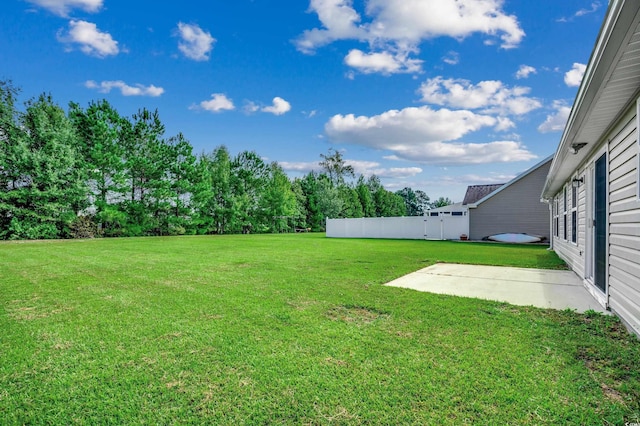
column 292, row 329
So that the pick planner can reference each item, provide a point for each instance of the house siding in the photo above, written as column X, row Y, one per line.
column 624, row 220
column 623, row 277
column 582, row 228
column 515, row 209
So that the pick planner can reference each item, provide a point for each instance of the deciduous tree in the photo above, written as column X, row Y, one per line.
column 441, row 202
column 335, row 167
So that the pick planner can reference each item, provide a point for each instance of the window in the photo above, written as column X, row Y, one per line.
column 564, row 214
column 432, row 214
column 574, row 214
column 456, row 213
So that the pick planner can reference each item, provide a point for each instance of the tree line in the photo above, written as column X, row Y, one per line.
column 92, row 172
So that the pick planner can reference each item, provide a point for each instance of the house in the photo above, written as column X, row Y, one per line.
column 510, row 208
column 592, row 186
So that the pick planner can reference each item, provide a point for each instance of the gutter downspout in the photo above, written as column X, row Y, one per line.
column 551, row 236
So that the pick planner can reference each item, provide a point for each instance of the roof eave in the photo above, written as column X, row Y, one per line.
column 615, row 29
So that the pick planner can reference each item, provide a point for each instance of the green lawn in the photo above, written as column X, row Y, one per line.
column 292, row 329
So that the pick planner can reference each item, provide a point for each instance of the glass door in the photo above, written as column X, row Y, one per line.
column 600, row 224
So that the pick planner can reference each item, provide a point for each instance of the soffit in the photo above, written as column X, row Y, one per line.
column 611, row 84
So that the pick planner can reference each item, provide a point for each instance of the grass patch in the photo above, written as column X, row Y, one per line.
column 292, row 329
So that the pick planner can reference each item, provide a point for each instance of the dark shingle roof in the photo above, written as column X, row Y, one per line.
column 478, row 192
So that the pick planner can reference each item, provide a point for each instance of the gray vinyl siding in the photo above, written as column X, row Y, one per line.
column 624, row 223
column 515, row 209
column 582, row 225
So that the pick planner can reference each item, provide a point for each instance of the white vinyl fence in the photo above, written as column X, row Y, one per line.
column 433, row 226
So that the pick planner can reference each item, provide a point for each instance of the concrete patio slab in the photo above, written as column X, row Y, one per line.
column 519, row 286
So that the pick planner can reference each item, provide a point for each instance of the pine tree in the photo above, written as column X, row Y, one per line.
column 48, row 184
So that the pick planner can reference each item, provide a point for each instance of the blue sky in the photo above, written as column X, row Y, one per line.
column 431, row 94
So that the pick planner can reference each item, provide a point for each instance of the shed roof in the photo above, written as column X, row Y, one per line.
column 477, row 192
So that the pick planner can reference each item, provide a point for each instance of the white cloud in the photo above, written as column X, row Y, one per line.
column 490, row 96
column 195, row 43
column 412, row 125
column 218, row 103
column 415, row 20
column 382, row 62
column 279, row 106
column 424, row 135
column 91, row 41
column 452, row 58
column 406, row 23
column 467, row 153
column 250, row 107
column 525, row 71
column 595, row 6
column 63, row 7
column 339, row 20
column 573, row 78
column 301, row 166
column 555, row 122
column 473, row 179
column 369, row 168
column 397, row 172
column 360, row 167
column 504, row 124
column 363, row 167
column 125, row 89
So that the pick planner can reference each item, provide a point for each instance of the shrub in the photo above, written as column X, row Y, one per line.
column 29, row 228
column 84, row 227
